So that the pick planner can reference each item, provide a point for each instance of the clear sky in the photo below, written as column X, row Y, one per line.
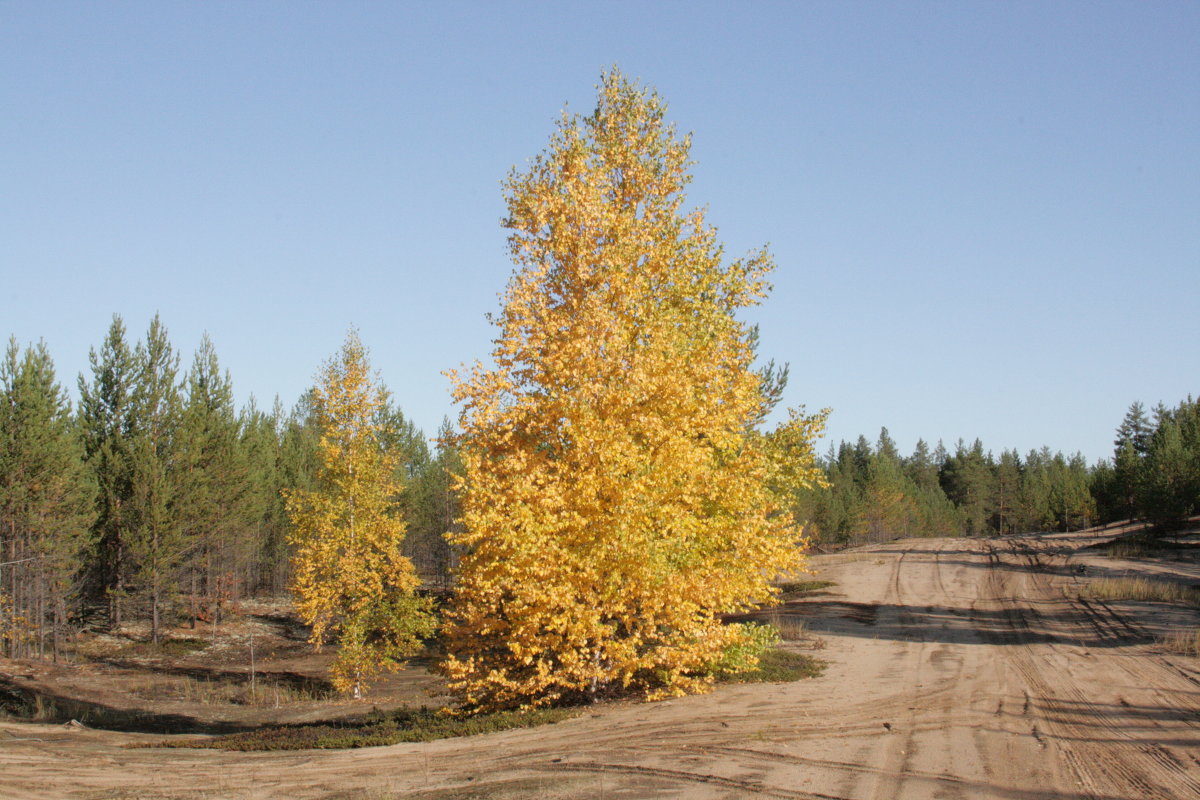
column 986, row 215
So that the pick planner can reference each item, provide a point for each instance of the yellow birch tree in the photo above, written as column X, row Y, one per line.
column 351, row 582
column 618, row 496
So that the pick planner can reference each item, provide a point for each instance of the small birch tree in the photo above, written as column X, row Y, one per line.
column 350, row 580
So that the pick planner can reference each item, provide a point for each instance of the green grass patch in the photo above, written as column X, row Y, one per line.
column 795, row 589
column 422, row 725
column 778, row 666
column 1142, row 589
column 1184, row 643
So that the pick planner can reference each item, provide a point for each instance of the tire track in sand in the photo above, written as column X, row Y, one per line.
column 1121, row 764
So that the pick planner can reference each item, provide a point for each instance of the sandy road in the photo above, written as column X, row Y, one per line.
column 958, row 669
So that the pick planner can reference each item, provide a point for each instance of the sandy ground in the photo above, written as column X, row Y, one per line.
column 958, row 668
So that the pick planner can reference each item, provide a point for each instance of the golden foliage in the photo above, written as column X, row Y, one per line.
column 15, row 628
column 350, row 577
column 617, row 497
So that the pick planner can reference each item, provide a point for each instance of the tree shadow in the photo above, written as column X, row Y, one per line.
column 24, row 703
column 950, row 625
column 241, row 677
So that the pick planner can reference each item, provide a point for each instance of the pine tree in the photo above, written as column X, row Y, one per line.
column 967, row 478
column 1130, row 447
column 1135, row 430
column 1007, row 489
column 1127, row 478
column 1036, row 501
column 939, row 516
column 155, row 542
column 106, row 418
column 265, row 526
column 46, row 503
column 433, row 510
column 214, row 485
column 1075, row 508
column 921, row 468
column 890, row 510
column 1102, row 484
column 350, row 579
column 297, row 465
column 1169, row 490
column 616, row 498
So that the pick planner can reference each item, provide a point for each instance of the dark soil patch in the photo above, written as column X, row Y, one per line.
column 422, row 725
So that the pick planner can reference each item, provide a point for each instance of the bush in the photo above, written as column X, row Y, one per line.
column 743, row 654
column 779, row 666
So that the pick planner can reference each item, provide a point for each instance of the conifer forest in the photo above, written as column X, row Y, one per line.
column 154, row 497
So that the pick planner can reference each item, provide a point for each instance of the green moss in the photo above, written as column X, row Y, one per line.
column 778, row 666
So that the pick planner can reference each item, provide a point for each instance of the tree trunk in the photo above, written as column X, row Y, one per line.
column 154, row 600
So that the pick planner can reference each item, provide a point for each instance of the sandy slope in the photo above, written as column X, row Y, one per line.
column 958, row 669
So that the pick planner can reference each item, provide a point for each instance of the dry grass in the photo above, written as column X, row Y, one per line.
column 831, row 559
column 167, row 648
column 1184, row 643
column 263, row 692
column 796, row 589
column 1142, row 589
column 1131, row 549
column 791, row 628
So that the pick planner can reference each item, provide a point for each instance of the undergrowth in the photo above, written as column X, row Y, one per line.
column 1142, row 589
column 265, row 690
column 166, row 648
column 778, row 666
column 1184, row 643
column 795, row 589
column 422, row 725
column 1146, row 546
column 790, row 627
column 771, row 664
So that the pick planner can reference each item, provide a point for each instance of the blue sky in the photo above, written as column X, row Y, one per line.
column 986, row 216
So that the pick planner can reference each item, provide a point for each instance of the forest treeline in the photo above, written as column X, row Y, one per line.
column 873, row 493
column 155, row 498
